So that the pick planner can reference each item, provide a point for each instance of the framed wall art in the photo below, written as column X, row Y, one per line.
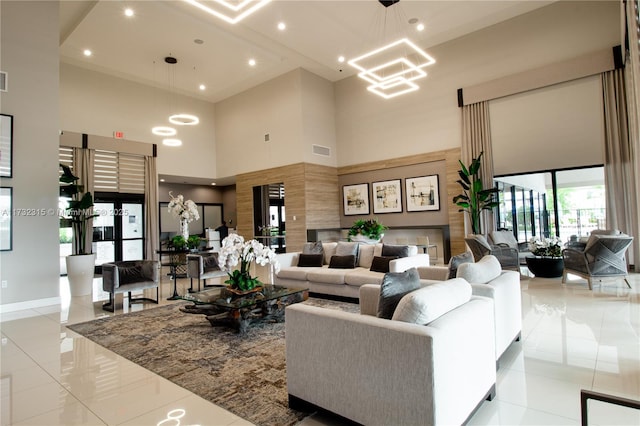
column 6, row 218
column 356, row 199
column 6, row 145
column 422, row 193
column 387, row 196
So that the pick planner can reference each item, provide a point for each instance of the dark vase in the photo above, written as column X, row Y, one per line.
column 545, row 267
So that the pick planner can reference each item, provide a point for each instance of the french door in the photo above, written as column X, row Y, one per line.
column 118, row 230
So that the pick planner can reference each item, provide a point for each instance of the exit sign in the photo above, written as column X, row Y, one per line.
column 118, row 135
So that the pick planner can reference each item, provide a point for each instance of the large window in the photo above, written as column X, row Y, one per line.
column 553, row 203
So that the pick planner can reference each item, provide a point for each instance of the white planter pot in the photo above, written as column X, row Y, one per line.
column 359, row 238
column 80, row 274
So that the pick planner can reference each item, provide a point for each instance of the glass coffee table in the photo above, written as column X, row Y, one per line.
column 225, row 308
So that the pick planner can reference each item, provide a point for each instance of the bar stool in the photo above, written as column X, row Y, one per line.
column 424, row 243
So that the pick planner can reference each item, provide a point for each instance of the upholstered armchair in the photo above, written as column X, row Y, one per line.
column 505, row 238
column 603, row 256
column 480, row 247
column 202, row 267
column 128, row 276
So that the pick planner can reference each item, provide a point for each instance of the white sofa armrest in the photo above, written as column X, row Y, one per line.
column 434, row 273
column 369, row 297
column 404, row 263
column 398, row 372
column 288, row 260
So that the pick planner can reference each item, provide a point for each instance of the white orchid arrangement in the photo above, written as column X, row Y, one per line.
column 546, row 247
column 181, row 209
column 236, row 250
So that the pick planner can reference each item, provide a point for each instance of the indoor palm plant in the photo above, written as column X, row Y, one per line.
column 474, row 198
column 77, row 216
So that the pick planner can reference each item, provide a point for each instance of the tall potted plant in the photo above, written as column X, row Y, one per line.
column 474, row 198
column 78, row 213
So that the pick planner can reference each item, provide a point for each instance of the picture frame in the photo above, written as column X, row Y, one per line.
column 356, row 199
column 387, row 196
column 6, row 145
column 422, row 193
column 6, row 218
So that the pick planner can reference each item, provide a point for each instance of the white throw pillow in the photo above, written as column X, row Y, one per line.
column 365, row 255
column 486, row 269
column 431, row 302
column 329, row 250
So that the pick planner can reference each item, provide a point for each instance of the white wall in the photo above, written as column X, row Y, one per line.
column 370, row 128
column 318, row 118
column 29, row 54
column 98, row 104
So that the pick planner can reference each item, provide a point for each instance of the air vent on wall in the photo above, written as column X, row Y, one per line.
column 3, row 81
column 321, row 150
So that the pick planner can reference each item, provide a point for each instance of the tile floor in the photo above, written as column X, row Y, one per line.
column 573, row 339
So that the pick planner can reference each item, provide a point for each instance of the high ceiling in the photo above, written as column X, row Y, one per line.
column 317, row 33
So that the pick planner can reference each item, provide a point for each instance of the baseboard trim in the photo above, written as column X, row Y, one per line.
column 31, row 304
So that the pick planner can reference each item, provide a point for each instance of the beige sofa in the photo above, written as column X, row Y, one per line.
column 342, row 282
column 377, row 371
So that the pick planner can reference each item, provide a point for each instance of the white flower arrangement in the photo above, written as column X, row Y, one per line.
column 236, row 250
column 181, row 209
column 546, row 247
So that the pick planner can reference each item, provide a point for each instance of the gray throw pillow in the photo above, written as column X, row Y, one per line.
column 395, row 250
column 457, row 260
column 394, row 286
column 343, row 262
column 312, row 260
column 313, row 248
column 381, row 263
column 346, row 248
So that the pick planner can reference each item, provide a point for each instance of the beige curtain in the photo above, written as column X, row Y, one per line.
column 83, row 168
column 621, row 152
column 151, row 208
column 476, row 138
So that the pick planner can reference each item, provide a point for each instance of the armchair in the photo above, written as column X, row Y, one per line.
column 202, row 267
column 127, row 276
column 480, row 247
column 602, row 257
column 505, row 238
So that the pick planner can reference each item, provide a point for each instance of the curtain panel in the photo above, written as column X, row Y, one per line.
column 152, row 232
column 621, row 159
column 476, row 138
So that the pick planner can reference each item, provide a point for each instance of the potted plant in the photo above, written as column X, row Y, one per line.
column 77, row 215
column 367, row 231
column 474, row 197
column 548, row 262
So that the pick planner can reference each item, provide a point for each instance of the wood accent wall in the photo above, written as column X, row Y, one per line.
column 311, row 195
column 451, row 158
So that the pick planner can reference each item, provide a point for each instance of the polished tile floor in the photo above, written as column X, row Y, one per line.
column 573, row 339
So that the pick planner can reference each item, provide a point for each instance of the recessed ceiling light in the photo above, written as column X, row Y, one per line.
column 202, row 87
column 161, row 180
column 164, row 131
column 282, row 26
column 420, row 27
column 252, row 62
column 213, row 183
column 340, row 58
column 198, row 41
column 128, row 12
column 172, row 142
column 87, row 52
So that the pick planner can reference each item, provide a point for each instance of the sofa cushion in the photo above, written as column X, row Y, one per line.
column 429, row 303
column 343, row 262
column 394, row 286
column 130, row 274
column 457, row 260
column 362, row 276
column 365, row 255
column 481, row 272
column 395, row 250
column 504, row 237
column 294, row 273
column 381, row 263
column 313, row 248
column 210, row 262
column 327, row 275
column 310, row 260
column 345, row 248
column 329, row 249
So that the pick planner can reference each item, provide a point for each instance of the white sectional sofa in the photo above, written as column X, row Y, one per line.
column 487, row 279
column 375, row 371
column 342, row 282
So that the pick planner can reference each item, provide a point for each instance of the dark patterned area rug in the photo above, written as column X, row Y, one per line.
column 244, row 374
